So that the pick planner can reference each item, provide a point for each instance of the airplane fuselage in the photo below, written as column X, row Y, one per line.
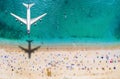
column 28, row 19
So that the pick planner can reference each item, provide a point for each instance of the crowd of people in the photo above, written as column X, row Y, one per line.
column 59, row 63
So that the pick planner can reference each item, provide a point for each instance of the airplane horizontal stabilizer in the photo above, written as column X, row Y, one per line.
column 28, row 5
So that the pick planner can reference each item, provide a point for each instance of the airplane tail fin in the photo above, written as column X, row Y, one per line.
column 28, row 5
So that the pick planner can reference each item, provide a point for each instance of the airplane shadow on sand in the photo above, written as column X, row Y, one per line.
column 29, row 50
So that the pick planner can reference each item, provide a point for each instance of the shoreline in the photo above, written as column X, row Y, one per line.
column 63, row 47
column 71, row 46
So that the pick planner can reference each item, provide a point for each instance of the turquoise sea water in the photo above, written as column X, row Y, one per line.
column 67, row 21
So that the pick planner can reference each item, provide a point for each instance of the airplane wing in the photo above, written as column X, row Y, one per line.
column 38, row 18
column 23, row 49
column 35, row 48
column 19, row 18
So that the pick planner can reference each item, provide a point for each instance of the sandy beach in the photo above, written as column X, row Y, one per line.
column 61, row 62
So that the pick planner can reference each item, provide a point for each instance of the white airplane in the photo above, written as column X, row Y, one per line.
column 28, row 21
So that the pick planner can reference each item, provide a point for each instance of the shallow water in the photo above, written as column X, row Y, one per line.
column 67, row 20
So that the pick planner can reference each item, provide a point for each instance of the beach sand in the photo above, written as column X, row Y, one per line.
column 61, row 62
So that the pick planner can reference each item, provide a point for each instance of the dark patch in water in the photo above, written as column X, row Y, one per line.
column 66, row 1
column 9, row 32
column 74, row 36
column 2, row 5
column 53, row 0
column 117, row 31
column 60, row 37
